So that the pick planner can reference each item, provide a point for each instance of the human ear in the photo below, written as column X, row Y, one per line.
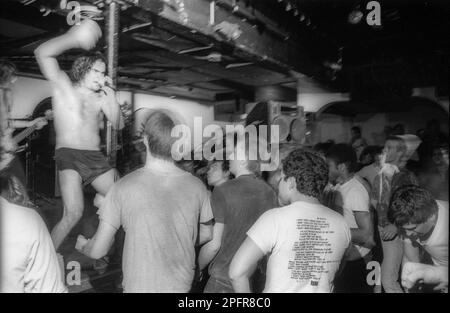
column 292, row 183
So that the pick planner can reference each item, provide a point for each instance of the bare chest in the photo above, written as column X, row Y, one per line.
column 79, row 108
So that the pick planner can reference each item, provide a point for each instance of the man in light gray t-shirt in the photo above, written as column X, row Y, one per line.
column 160, row 207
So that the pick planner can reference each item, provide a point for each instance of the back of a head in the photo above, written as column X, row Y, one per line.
column 247, row 146
column 411, row 204
column 309, row 170
column 342, row 153
column 157, row 129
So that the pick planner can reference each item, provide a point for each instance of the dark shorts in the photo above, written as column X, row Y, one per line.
column 89, row 164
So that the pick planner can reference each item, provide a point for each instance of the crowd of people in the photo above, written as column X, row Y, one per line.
column 316, row 225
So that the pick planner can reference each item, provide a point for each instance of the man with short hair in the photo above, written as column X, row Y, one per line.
column 305, row 240
column 423, row 222
column 78, row 104
column 236, row 205
column 218, row 172
column 160, row 207
column 341, row 160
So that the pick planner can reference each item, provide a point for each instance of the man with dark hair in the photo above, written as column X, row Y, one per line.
column 354, row 195
column 423, row 222
column 159, row 206
column 236, row 205
column 306, row 240
column 78, row 104
column 83, row 64
column 218, row 172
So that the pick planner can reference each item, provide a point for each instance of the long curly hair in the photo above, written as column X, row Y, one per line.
column 309, row 170
column 83, row 64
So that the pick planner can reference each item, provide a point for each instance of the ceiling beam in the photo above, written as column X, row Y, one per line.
column 256, row 42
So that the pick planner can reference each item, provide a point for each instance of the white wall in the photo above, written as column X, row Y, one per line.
column 331, row 126
column 27, row 93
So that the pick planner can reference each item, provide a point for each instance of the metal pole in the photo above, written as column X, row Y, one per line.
column 112, row 41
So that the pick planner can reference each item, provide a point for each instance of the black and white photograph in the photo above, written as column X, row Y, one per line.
column 207, row 148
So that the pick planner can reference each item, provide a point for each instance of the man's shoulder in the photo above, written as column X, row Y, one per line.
column 357, row 185
column 193, row 181
column 353, row 190
column 19, row 215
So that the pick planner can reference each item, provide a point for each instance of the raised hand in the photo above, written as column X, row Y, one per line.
column 40, row 122
column 86, row 34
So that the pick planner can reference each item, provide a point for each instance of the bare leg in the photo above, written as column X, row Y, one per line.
column 72, row 195
column 105, row 181
column 102, row 184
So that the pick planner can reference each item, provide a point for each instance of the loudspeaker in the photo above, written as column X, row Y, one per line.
column 288, row 116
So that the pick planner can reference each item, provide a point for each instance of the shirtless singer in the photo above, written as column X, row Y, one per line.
column 79, row 99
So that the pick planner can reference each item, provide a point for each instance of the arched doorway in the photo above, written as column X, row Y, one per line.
column 42, row 149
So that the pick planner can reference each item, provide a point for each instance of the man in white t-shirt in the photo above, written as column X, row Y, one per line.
column 28, row 261
column 341, row 159
column 422, row 221
column 305, row 240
